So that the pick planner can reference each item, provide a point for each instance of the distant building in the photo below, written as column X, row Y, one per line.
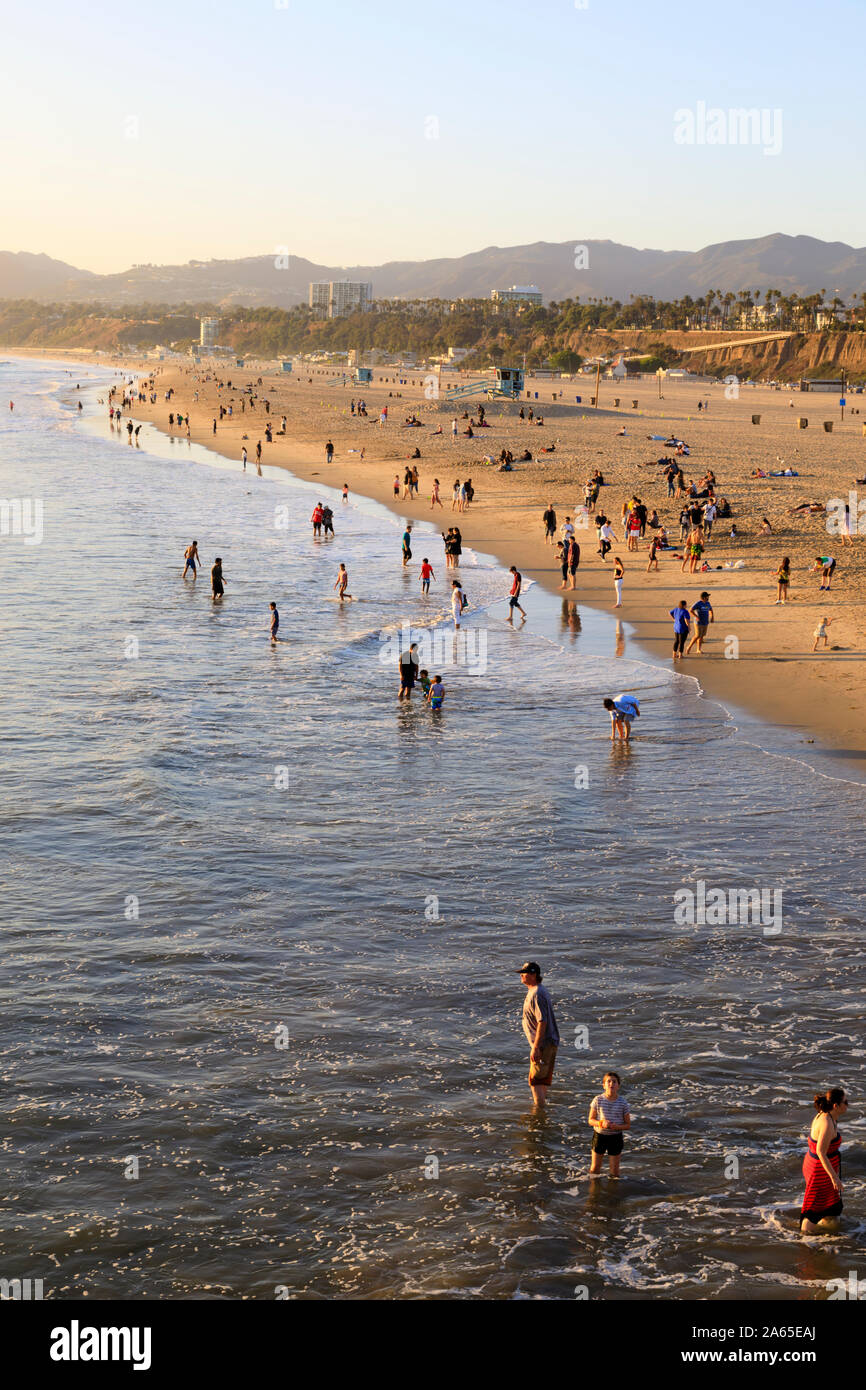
column 333, row 298
column 518, row 294
column 209, row 333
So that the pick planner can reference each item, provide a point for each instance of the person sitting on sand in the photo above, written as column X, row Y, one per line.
column 766, row 528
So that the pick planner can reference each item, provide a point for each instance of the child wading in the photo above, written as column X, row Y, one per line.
column 610, row 1118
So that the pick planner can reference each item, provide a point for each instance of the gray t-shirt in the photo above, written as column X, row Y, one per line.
column 538, row 1005
column 613, row 1108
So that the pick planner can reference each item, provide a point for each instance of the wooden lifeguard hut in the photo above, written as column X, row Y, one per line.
column 363, row 375
column 509, row 382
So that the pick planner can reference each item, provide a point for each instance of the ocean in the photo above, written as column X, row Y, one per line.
column 262, row 923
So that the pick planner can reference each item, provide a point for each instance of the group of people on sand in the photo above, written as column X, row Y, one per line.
column 610, row 1115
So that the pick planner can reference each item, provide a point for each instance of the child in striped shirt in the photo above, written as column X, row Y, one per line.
column 610, row 1118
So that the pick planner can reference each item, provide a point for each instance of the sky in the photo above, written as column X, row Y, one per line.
column 358, row 133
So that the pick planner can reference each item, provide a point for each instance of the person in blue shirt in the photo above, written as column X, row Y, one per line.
column 703, row 615
column 622, row 709
column 682, row 624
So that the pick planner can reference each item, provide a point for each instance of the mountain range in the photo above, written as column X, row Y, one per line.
column 789, row 264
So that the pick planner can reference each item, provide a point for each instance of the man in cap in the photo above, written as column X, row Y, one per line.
column 542, row 1034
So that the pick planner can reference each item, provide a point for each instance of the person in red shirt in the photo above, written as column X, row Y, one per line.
column 426, row 575
column 514, row 597
column 317, row 518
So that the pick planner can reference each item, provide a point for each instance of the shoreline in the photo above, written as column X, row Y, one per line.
column 785, row 688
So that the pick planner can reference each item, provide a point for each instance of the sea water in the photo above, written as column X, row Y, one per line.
column 262, row 923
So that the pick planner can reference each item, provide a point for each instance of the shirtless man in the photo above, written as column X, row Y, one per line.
column 191, row 559
column 342, row 582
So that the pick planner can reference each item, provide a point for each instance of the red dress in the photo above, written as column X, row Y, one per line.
column 821, row 1197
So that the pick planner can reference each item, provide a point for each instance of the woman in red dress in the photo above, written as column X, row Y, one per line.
column 822, row 1166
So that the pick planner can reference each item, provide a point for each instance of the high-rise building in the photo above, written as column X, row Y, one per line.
column 209, row 332
column 518, row 294
column 334, row 298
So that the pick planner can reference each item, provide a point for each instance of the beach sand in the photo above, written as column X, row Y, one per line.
column 775, row 675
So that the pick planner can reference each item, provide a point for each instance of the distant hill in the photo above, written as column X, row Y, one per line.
column 24, row 275
column 799, row 263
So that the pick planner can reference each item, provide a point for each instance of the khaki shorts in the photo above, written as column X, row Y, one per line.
column 541, row 1072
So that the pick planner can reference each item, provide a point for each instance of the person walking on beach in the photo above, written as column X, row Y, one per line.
column 540, row 1029
column 407, row 544
column 345, row 492
column 653, row 561
column 329, row 452
column 455, row 496
column 702, row 612
column 458, row 602
column 408, row 665
column 275, row 623
column 514, row 596
column 426, row 575
column 342, row 583
column 618, row 573
column 622, row 709
column 822, row 1166
column 435, row 500
column 455, row 429
column 610, row 1118
column 191, row 559
column 549, row 520
column 783, row 579
column 820, row 633
column 682, row 623
column 216, row 578
column 606, row 537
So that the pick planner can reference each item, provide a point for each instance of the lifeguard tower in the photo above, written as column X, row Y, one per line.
column 364, row 376
column 285, row 366
column 509, row 382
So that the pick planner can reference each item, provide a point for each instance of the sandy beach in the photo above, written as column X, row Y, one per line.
column 774, row 675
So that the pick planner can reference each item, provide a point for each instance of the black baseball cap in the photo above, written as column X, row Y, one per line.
column 530, row 965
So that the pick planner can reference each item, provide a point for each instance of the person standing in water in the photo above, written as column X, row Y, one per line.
column 342, row 582
column 458, row 602
column 216, row 578
column 609, row 1117
column 275, row 623
column 514, row 595
column 822, row 1166
column 540, row 1029
column 244, row 457
column 191, row 559
column 426, row 575
column 435, row 693
column 407, row 544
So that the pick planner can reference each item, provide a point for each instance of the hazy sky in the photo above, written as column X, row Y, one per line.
column 355, row 133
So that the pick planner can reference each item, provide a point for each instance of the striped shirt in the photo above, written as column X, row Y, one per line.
column 614, row 1108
